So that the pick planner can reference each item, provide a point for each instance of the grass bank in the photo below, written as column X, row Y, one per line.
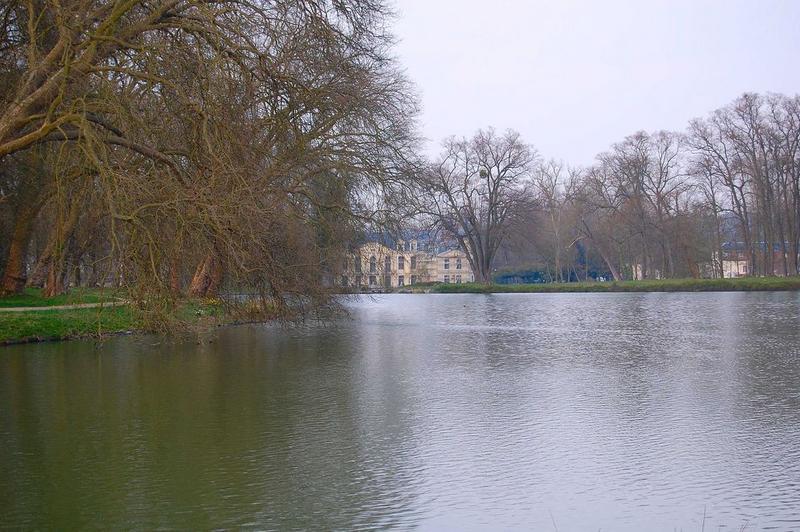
column 45, row 324
column 742, row 284
column 32, row 297
column 33, row 326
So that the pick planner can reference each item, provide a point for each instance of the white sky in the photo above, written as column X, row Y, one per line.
column 573, row 76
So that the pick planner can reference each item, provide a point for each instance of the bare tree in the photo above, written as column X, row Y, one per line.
column 555, row 189
column 662, row 204
column 197, row 144
column 598, row 220
column 475, row 189
column 751, row 149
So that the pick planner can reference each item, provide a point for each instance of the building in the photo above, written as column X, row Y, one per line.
column 451, row 266
column 736, row 260
column 375, row 266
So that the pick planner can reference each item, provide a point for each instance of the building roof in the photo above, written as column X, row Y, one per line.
column 429, row 241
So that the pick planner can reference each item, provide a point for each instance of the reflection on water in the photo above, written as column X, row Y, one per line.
column 575, row 411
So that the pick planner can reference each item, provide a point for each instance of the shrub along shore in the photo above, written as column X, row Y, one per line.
column 742, row 284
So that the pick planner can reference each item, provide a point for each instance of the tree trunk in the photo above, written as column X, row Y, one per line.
column 720, row 270
column 40, row 271
column 14, row 274
column 558, row 266
column 611, row 267
column 645, row 258
column 54, row 282
column 482, row 276
column 199, row 282
column 54, row 285
column 207, row 277
column 586, row 264
column 175, row 275
column 694, row 268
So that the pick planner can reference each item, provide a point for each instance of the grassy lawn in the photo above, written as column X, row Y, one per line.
column 665, row 285
column 32, row 297
column 48, row 324
column 55, row 324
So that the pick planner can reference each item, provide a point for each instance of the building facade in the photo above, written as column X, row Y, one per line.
column 375, row 266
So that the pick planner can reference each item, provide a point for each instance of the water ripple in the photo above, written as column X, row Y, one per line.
column 458, row 412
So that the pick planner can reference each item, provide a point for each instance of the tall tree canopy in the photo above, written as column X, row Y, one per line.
column 474, row 191
column 180, row 144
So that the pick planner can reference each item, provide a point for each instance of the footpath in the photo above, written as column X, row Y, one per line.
column 64, row 307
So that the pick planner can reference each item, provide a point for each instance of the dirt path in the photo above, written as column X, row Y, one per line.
column 65, row 307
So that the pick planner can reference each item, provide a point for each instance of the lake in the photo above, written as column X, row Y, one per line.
column 517, row 411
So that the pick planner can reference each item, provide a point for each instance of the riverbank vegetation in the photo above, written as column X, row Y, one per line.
column 744, row 284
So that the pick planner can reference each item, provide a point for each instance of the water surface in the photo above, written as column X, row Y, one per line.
column 518, row 411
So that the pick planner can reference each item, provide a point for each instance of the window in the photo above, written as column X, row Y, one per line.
column 401, row 263
column 373, row 280
column 458, row 279
column 401, row 280
column 458, row 264
column 408, row 246
column 413, row 262
column 344, row 280
column 373, row 264
column 358, row 280
column 413, row 279
column 387, row 264
column 357, row 263
column 446, row 264
column 446, row 278
column 387, row 280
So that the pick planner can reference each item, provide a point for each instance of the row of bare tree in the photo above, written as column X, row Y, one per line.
column 659, row 205
column 171, row 146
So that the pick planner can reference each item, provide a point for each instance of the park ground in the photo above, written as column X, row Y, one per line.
column 30, row 317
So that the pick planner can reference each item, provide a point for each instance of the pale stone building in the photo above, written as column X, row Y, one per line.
column 735, row 268
column 375, row 266
column 452, row 266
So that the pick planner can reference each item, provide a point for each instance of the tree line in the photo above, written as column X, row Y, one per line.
column 655, row 205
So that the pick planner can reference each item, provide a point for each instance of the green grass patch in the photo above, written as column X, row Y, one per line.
column 744, row 284
column 60, row 324
column 157, row 316
column 32, row 297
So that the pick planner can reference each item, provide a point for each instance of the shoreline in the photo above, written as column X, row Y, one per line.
column 741, row 284
column 91, row 314
column 83, row 336
column 102, row 335
column 114, row 318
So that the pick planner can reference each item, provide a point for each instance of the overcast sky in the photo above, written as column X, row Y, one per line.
column 576, row 76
